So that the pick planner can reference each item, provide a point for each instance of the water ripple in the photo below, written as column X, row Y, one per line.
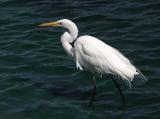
column 38, row 80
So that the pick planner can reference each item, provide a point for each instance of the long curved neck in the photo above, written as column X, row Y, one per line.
column 68, row 37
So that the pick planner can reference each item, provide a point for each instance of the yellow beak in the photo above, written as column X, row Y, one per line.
column 50, row 24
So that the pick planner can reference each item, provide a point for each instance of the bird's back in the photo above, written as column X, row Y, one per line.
column 94, row 55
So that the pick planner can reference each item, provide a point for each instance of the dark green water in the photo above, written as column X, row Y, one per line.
column 39, row 81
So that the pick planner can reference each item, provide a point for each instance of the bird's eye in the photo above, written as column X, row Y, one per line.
column 60, row 23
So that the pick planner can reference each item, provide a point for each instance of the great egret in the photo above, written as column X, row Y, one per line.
column 90, row 53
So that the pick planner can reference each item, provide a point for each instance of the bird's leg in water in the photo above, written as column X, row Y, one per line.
column 94, row 91
column 121, row 94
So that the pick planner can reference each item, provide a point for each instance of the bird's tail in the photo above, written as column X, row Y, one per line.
column 138, row 79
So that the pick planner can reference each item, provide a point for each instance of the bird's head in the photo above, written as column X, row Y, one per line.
column 66, row 23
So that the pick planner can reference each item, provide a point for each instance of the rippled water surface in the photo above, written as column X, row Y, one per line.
column 39, row 81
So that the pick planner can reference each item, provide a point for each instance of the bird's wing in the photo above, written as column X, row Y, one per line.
column 93, row 54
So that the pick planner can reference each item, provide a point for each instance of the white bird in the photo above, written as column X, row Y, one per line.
column 92, row 54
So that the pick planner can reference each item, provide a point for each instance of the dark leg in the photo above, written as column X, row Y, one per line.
column 121, row 94
column 94, row 91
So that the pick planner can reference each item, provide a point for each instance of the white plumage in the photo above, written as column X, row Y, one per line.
column 93, row 55
column 96, row 56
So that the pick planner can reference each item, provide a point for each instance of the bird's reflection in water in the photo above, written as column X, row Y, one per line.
column 65, row 91
column 77, row 94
